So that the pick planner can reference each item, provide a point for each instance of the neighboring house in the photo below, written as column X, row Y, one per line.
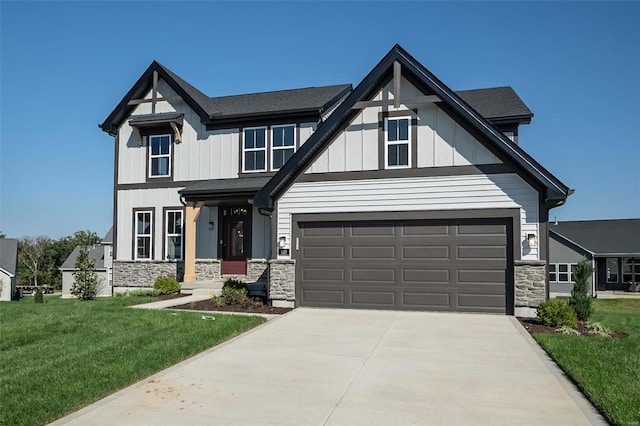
column 396, row 194
column 612, row 246
column 102, row 256
column 8, row 268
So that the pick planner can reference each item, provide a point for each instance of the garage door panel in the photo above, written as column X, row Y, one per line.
column 481, row 252
column 366, row 275
column 327, row 252
column 425, row 252
column 373, row 231
column 335, row 297
column 373, row 298
column 430, row 276
column 430, row 265
column 426, row 300
column 424, row 230
column 481, row 229
column 373, row 252
column 323, row 274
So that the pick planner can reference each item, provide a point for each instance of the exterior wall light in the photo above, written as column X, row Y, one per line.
column 531, row 240
column 210, row 226
column 282, row 242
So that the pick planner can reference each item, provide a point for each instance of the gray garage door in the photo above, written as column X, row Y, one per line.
column 453, row 265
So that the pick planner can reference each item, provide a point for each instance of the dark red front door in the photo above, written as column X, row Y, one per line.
column 236, row 239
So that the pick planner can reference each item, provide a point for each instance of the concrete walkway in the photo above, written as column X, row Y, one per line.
column 347, row 367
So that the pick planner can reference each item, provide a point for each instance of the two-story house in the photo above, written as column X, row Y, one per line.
column 396, row 194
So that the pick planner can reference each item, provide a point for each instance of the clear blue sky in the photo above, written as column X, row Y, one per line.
column 65, row 66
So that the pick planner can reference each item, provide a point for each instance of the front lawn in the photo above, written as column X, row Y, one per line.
column 608, row 370
column 64, row 354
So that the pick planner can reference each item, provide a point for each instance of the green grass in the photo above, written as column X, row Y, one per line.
column 64, row 354
column 607, row 370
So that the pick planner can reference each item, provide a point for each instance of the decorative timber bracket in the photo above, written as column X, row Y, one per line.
column 397, row 100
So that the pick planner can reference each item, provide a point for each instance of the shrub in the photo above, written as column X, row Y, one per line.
column 557, row 313
column 234, row 296
column 568, row 331
column 234, row 283
column 166, row 285
column 218, row 300
column 597, row 329
column 86, row 279
column 580, row 300
column 38, row 297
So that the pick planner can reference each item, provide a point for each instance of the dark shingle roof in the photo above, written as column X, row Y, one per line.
column 9, row 255
column 226, row 186
column 496, row 103
column 309, row 98
column 621, row 236
column 96, row 253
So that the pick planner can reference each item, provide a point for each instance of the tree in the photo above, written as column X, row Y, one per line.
column 86, row 285
column 580, row 300
column 2, row 234
column 31, row 255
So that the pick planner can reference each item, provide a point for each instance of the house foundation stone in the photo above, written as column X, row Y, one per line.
column 207, row 269
column 257, row 270
column 282, row 279
column 137, row 274
column 531, row 284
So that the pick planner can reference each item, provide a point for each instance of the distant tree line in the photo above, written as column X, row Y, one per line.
column 40, row 257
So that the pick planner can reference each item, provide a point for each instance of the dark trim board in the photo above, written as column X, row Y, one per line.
column 508, row 217
column 482, row 169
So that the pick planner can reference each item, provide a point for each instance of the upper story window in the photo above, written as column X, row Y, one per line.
column 254, row 150
column 144, row 234
column 397, row 142
column 283, row 145
column 159, row 156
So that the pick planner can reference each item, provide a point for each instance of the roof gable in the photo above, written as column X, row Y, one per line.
column 555, row 190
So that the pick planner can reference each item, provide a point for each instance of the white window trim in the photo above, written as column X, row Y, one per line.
column 244, row 149
column 167, row 235
column 558, row 272
column 273, row 148
column 387, row 143
column 151, row 156
column 150, row 235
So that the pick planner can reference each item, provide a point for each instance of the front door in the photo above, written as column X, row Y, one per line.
column 236, row 239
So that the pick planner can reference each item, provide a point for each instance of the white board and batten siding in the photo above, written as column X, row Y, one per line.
column 441, row 141
column 473, row 192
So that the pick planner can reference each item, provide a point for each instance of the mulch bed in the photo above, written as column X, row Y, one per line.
column 532, row 325
column 209, row 305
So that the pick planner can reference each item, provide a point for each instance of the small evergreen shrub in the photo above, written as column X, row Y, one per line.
column 557, row 313
column 234, row 296
column 38, row 297
column 580, row 300
column 234, row 283
column 166, row 285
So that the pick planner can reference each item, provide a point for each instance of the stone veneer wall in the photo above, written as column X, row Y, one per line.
column 531, row 283
column 257, row 270
column 129, row 273
column 282, row 279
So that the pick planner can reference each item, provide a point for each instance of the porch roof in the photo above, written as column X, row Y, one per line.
column 602, row 237
column 220, row 189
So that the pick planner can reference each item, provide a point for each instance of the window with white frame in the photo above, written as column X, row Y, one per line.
column 397, row 142
column 254, row 152
column 561, row 272
column 144, row 234
column 283, row 145
column 173, row 235
column 159, row 156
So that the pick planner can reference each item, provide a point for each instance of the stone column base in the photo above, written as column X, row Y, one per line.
column 531, row 285
column 282, row 279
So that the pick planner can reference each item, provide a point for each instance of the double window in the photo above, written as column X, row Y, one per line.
column 630, row 270
column 561, row 272
column 261, row 154
column 173, row 235
column 397, row 142
column 159, row 156
column 144, row 234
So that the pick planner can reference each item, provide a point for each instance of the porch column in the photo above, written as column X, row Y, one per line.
column 191, row 217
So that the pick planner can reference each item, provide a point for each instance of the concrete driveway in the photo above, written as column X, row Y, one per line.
column 348, row 367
